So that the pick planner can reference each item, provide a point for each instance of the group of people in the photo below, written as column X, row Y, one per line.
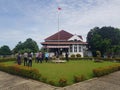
column 28, row 58
column 41, row 56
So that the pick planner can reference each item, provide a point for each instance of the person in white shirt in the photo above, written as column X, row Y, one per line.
column 25, row 58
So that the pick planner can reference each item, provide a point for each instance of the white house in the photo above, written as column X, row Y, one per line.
column 62, row 42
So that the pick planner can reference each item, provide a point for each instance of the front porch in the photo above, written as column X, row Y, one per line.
column 57, row 50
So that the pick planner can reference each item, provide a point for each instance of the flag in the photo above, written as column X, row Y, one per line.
column 59, row 8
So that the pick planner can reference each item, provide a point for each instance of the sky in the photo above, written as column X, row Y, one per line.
column 38, row 19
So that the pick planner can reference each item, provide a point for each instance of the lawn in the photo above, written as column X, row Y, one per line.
column 55, row 71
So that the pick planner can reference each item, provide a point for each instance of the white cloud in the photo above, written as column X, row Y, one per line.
column 104, row 13
column 38, row 20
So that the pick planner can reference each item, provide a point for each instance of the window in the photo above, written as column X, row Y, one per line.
column 71, row 48
column 79, row 48
column 75, row 39
column 75, row 48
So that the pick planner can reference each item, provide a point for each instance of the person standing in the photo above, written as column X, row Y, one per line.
column 36, row 57
column 57, row 54
column 19, row 59
column 46, row 56
column 66, row 56
column 30, row 60
column 40, row 57
column 25, row 58
column 43, row 56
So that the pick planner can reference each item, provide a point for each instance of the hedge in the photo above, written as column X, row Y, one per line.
column 29, row 72
column 117, row 59
column 32, row 73
column 78, row 58
column 109, row 59
column 21, row 71
column 79, row 78
column 62, row 82
column 105, row 70
column 7, row 59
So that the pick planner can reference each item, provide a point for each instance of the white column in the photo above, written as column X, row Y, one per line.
column 69, row 49
column 73, row 47
column 81, row 48
column 77, row 48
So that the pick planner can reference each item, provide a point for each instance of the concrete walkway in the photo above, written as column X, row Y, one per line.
column 11, row 82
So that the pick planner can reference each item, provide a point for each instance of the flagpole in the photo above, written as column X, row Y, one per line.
column 58, row 30
column 58, row 23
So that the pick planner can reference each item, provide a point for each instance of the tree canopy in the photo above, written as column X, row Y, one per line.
column 28, row 46
column 105, row 39
column 5, row 50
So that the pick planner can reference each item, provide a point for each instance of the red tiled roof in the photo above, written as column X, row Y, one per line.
column 61, row 36
column 56, row 46
column 63, row 43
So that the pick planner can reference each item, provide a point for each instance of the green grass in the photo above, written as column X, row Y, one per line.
column 55, row 71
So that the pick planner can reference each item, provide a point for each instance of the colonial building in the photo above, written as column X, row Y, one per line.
column 64, row 42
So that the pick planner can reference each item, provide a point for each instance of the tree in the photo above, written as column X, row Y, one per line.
column 5, row 50
column 31, row 44
column 104, row 39
column 18, row 47
column 28, row 46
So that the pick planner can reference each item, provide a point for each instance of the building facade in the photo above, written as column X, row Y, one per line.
column 64, row 42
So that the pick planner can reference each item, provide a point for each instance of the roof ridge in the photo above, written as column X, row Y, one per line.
column 64, row 35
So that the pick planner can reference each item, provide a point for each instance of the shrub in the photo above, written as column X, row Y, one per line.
column 51, row 82
column 79, row 78
column 44, row 79
column 7, row 59
column 62, row 82
column 98, row 54
column 21, row 71
column 72, row 56
column 4, row 67
column 108, row 59
column 87, row 58
column 78, row 55
column 105, row 70
column 117, row 59
column 53, row 57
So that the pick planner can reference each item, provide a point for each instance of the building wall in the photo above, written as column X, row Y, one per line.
column 51, row 54
column 74, row 49
column 77, row 49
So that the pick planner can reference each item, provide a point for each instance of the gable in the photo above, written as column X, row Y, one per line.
column 75, row 38
column 59, row 36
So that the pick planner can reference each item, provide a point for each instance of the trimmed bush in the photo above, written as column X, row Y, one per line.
column 108, row 59
column 21, row 71
column 105, row 70
column 78, row 55
column 7, row 59
column 79, row 78
column 72, row 56
column 51, row 82
column 44, row 79
column 62, row 82
column 117, row 59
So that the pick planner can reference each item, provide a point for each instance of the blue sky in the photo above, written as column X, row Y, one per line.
column 37, row 19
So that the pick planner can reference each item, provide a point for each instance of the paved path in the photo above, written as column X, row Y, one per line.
column 11, row 82
column 108, row 82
